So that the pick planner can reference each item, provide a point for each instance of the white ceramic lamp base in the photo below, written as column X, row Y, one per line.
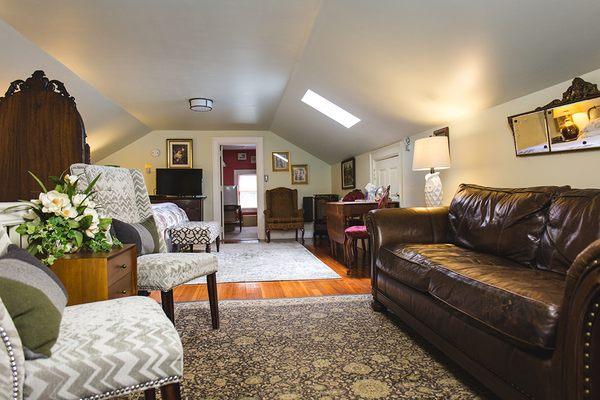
column 433, row 190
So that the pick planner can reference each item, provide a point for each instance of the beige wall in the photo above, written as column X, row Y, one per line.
column 482, row 152
column 138, row 153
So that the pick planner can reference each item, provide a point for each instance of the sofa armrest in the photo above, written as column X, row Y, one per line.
column 407, row 225
column 578, row 341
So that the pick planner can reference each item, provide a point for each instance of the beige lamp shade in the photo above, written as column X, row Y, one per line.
column 431, row 152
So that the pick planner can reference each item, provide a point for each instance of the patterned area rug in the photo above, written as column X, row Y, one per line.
column 275, row 261
column 314, row 348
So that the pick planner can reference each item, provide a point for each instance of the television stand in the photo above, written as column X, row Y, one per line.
column 192, row 205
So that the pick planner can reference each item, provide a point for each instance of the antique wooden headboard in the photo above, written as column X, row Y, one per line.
column 40, row 131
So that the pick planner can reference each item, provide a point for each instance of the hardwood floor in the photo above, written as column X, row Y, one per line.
column 359, row 284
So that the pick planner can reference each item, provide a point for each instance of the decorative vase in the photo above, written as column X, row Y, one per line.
column 433, row 190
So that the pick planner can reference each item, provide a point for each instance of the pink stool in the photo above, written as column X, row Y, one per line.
column 353, row 235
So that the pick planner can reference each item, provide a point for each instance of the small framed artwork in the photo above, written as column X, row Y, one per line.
column 252, row 159
column 300, row 174
column 179, row 153
column 349, row 173
column 280, row 161
column 242, row 156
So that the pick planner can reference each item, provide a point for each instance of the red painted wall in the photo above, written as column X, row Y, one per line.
column 232, row 163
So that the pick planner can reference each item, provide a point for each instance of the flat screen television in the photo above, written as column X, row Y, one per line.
column 178, row 182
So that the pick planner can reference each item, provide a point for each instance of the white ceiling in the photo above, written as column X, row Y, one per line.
column 400, row 66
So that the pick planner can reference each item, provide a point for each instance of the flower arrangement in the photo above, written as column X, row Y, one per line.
column 64, row 220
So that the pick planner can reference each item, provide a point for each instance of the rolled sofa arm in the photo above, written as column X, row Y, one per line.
column 578, row 342
column 407, row 225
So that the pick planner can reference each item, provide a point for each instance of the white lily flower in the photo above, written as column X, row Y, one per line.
column 53, row 201
column 72, row 179
column 80, row 200
column 68, row 212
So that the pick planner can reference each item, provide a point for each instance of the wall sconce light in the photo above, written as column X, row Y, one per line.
column 148, row 168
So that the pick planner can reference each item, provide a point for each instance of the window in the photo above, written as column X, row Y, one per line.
column 247, row 189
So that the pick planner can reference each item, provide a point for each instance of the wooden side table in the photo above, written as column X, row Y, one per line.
column 90, row 277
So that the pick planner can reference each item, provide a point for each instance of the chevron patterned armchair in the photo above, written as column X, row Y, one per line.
column 121, row 194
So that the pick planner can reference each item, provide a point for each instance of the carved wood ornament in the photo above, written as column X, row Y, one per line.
column 578, row 91
column 40, row 131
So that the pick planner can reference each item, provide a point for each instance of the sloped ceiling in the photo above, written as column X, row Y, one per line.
column 400, row 66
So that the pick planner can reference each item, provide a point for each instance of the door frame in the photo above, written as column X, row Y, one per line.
column 257, row 141
column 384, row 153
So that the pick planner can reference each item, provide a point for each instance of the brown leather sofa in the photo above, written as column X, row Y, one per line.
column 506, row 282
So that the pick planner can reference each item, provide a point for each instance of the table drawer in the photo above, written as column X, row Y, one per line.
column 121, row 288
column 119, row 266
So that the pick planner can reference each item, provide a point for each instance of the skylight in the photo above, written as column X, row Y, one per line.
column 333, row 111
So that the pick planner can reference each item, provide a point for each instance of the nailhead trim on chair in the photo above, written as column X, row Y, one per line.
column 135, row 388
column 13, row 363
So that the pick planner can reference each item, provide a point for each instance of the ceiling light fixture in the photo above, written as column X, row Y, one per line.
column 330, row 109
column 201, row 104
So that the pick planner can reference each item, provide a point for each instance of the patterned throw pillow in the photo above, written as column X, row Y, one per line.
column 35, row 299
column 138, row 234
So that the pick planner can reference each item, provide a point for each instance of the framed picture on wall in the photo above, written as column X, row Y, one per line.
column 349, row 173
column 300, row 174
column 242, row 156
column 179, row 153
column 280, row 161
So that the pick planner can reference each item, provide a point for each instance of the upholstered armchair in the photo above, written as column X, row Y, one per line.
column 282, row 213
column 121, row 194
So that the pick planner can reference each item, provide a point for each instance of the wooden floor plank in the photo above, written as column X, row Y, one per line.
column 348, row 284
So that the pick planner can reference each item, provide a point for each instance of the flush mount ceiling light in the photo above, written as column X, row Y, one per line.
column 201, row 104
column 330, row 109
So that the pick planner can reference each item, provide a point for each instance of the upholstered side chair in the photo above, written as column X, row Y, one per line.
column 121, row 194
column 282, row 213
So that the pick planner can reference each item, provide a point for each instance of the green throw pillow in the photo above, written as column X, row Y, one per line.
column 35, row 299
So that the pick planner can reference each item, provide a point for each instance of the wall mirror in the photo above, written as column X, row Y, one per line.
column 568, row 124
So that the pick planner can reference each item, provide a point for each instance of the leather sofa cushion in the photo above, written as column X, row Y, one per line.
column 520, row 304
column 504, row 222
column 573, row 224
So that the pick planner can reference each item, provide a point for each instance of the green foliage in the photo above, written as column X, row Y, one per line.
column 64, row 221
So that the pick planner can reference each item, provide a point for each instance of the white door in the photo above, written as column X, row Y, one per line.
column 387, row 172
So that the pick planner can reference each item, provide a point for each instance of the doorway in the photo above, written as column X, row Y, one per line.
column 386, row 170
column 237, row 199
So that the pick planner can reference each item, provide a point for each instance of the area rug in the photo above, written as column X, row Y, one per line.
column 275, row 261
column 314, row 348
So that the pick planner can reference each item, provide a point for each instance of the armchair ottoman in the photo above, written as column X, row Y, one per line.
column 179, row 232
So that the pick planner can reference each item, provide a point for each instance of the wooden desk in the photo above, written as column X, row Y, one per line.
column 338, row 213
column 90, row 277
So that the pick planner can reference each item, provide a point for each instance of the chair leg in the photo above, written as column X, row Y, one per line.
column 302, row 235
column 218, row 241
column 364, row 248
column 208, row 248
column 150, row 394
column 171, row 392
column 296, row 235
column 211, row 282
column 268, row 232
column 168, row 305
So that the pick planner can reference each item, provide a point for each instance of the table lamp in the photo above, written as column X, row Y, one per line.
column 430, row 154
